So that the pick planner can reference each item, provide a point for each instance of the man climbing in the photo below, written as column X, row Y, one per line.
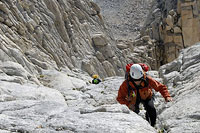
column 137, row 88
column 96, row 79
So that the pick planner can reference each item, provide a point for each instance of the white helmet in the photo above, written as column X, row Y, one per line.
column 136, row 71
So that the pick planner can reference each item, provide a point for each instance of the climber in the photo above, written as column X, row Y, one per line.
column 96, row 79
column 137, row 88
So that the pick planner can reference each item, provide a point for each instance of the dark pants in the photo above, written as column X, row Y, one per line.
column 150, row 111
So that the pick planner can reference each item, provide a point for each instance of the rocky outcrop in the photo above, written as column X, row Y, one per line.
column 171, row 25
column 190, row 24
column 57, row 34
column 174, row 25
column 182, row 77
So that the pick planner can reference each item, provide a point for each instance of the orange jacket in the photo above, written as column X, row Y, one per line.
column 145, row 93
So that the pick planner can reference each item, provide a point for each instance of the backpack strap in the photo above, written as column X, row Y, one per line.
column 138, row 98
column 127, row 76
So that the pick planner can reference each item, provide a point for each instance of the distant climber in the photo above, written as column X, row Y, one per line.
column 137, row 88
column 96, row 8
column 96, row 79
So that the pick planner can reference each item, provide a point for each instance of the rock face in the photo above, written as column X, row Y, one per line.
column 48, row 51
column 182, row 78
column 175, row 25
column 54, row 34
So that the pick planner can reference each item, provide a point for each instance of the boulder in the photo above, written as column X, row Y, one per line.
column 122, row 46
column 172, row 13
column 168, row 28
column 177, row 30
column 170, row 21
column 14, row 69
column 4, row 8
column 99, row 40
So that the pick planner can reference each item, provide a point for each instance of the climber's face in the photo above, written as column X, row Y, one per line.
column 138, row 82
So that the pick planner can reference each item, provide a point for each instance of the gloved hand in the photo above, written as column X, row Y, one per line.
column 168, row 99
